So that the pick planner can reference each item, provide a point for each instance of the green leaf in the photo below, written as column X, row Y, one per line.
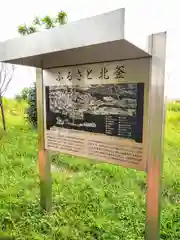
column 48, row 22
column 61, row 17
column 32, row 29
column 37, row 21
column 22, row 29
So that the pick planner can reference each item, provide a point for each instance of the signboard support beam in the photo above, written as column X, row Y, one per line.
column 43, row 155
column 156, row 136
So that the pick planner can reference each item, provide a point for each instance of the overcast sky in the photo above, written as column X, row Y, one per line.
column 143, row 17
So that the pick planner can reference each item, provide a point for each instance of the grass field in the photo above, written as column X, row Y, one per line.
column 90, row 201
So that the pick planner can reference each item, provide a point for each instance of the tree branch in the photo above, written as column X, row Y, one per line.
column 3, row 79
column 1, row 72
column 6, row 78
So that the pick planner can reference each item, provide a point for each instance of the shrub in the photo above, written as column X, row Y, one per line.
column 31, row 110
column 18, row 97
column 23, row 95
column 174, row 106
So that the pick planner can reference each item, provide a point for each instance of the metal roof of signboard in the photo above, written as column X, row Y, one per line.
column 96, row 39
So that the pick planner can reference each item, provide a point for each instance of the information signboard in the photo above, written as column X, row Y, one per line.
column 111, row 108
column 98, row 111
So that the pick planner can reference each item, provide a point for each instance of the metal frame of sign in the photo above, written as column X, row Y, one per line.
column 157, row 45
column 43, row 57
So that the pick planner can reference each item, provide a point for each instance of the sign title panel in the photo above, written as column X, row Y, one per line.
column 97, row 111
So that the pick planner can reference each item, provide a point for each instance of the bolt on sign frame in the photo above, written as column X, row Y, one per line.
column 127, row 123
